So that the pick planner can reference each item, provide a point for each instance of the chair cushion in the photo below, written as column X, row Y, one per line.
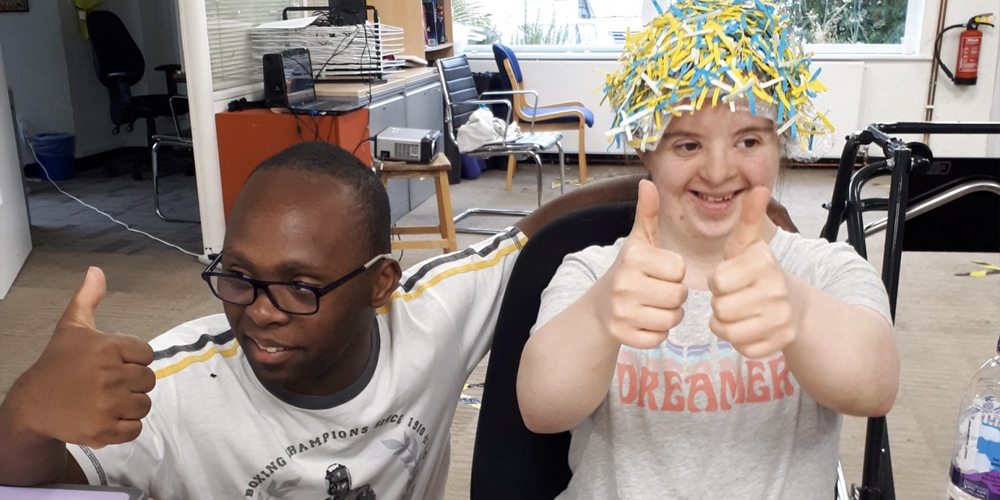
column 588, row 116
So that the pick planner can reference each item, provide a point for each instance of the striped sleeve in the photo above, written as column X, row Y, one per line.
column 456, row 297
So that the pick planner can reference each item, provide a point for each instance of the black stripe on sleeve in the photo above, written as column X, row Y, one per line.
column 220, row 339
column 411, row 283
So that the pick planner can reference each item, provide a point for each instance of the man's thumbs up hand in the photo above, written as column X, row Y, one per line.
column 88, row 387
column 642, row 292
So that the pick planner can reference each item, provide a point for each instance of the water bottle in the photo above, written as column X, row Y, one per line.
column 975, row 463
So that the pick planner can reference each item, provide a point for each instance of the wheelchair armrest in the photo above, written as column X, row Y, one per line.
column 169, row 72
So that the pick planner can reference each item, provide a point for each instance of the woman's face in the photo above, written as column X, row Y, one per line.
column 703, row 165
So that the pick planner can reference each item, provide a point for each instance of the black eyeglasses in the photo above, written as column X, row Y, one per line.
column 292, row 298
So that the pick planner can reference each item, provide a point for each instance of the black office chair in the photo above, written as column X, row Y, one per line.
column 119, row 65
column 509, row 461
column 460, row 101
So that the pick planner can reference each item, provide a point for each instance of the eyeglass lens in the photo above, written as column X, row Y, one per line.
column 289, row 298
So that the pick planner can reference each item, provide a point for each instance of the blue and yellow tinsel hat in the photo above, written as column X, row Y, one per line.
column 740, row 53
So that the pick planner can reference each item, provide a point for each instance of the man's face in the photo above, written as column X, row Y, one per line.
column 304, row 227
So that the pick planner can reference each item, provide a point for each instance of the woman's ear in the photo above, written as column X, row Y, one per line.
column 386, row 280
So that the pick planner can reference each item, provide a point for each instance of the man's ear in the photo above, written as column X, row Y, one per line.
column 386, row 280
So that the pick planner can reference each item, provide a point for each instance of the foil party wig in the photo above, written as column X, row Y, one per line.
column 736, row 53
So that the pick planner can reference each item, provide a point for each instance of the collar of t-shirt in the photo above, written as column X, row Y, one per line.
column 340, row 397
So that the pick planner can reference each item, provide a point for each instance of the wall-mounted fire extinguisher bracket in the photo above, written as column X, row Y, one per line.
column 969, row 44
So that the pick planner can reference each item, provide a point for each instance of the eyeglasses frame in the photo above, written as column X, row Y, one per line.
column 259, row 285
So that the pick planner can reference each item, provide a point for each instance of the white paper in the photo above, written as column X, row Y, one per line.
column 289, row 24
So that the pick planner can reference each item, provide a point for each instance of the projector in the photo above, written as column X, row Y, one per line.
column 408, row 144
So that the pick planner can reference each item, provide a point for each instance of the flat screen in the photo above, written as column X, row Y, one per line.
column 298, row 76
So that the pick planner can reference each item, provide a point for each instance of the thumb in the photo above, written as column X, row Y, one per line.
column 82, row 306
column 647, row 214
column 751, row 218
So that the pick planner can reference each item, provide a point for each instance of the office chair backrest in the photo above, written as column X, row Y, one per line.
column 459, row 87
column 114, row 50
column 509, row 461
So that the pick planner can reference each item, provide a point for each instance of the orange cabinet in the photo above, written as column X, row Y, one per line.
column 246, row 138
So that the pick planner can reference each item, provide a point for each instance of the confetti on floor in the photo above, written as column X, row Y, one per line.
column 989, row 269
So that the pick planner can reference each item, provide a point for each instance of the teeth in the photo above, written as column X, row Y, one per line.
column 715, row 199
column 269, row 349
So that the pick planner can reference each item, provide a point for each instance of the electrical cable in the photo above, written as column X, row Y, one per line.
column 336, row 52
column 116, row 221
column 366, row 139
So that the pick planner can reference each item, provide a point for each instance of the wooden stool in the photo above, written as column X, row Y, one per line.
column 438, row 169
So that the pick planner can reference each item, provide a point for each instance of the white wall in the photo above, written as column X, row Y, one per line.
column 15, row 238
column 48, row 57
column 878, row 89
column 36, row 68
column 993, row 142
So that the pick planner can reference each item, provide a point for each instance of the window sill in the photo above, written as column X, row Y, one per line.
column 602, row 55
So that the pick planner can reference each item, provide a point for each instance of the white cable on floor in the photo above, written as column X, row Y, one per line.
column 116, row 221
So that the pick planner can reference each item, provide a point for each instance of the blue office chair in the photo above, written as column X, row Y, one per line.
column 562, row 116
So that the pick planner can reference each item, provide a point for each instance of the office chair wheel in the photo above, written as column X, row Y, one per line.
column 116, row 130
column 128, row 128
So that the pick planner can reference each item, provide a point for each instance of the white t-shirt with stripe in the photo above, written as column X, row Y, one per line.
column 215, row 432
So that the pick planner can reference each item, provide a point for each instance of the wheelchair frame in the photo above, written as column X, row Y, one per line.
column 902, row 161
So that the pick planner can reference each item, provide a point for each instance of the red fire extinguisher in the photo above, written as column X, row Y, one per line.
column 969, row 45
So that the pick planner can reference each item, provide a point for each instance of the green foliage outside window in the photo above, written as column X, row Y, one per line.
column 849, row 21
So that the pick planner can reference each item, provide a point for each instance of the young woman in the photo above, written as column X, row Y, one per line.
column 709, row 354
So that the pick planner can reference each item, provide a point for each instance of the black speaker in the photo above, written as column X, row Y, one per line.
column 274, row 82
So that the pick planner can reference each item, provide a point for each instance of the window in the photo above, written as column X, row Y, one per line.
column 552, row 24
column 838, row 26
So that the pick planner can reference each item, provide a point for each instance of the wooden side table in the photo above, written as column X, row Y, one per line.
column 438, row 169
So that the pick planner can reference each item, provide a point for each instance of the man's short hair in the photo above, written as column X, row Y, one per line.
column 332, row 160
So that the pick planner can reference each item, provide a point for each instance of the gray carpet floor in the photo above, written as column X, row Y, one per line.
column 946, row 327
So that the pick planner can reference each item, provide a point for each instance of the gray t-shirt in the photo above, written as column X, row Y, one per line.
column 692, row 418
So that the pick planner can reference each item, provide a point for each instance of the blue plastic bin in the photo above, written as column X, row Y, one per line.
column 55, row 152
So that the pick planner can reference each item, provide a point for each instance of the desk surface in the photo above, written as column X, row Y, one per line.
column 359, row 90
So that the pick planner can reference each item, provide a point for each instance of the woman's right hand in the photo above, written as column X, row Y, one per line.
column 643, row 291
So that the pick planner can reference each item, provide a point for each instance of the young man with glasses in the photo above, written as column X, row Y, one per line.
column 332, row 374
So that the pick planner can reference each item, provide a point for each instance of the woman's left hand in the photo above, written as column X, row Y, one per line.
column 753, row 302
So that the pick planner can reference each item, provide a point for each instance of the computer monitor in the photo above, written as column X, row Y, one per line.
column 350, row 12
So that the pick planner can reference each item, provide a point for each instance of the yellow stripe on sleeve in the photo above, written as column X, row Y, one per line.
column 198, row 358
column 475, row 266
